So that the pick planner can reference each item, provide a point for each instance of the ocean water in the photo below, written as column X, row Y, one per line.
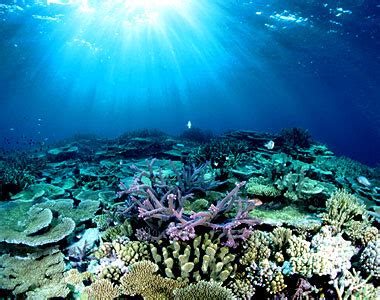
column 106, row 67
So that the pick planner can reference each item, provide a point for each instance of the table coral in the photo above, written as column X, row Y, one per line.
column 22, row 274
column 29, row 223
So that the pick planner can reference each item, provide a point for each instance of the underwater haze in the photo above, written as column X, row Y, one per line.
column 106, row 67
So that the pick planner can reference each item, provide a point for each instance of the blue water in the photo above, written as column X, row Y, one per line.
column 109, row 66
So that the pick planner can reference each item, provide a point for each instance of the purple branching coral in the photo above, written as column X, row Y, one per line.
column 162, row 207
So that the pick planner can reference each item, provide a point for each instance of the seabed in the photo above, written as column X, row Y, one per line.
column 244, row 215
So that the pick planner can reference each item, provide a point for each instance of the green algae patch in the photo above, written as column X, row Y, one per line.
column 288, row 215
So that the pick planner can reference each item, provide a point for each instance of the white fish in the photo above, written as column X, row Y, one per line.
column 363, row 180
column 189, row 125
column 269, row 145
column 11, row 129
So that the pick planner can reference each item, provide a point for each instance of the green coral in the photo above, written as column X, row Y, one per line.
column 32, row 219
column 288, row 215
column 33, row 272
column 350, row 285
column 259, row 186
column 197, row 205
column 241, row 287
column 56, row 289
column 142, row 280
column 266, row 274
column 127, row 251
column 347, row 215
column 118, row 231
column 84, row 211
column 297, row 186
column 204, row 258
column 36, row 191
column 256, row 248
column 203, row 290
column 342, row 207
column 297, row 246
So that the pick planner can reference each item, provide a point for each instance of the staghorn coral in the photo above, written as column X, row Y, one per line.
column 141, row 280
column 22, row 274
column 223, row 155
column 165, row 211
column 203, row 290
column 370, row 259
column 204, row 258
column 102, row 289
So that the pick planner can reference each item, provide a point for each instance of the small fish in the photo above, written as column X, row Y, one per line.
column 11, row 129
column 189, row 125
column 121, row 162
column 363, row 180
column 255, row 201
column 269, row 145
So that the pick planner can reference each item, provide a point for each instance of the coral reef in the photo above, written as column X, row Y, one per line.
column 203, row 290
column 34, row 273
column 370, row 259
column 203, row 258
column 141, row 280
column 36, row 226
column 102, row 289
column 190, row 227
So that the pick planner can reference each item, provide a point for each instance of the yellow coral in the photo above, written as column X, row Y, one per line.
column 141, row 280
column 204, row 290
column 103, row 289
